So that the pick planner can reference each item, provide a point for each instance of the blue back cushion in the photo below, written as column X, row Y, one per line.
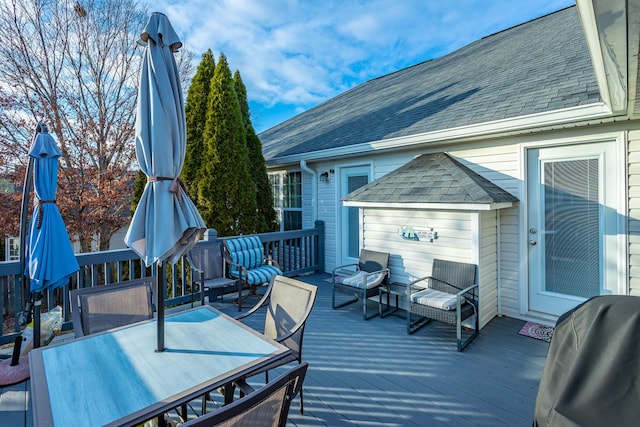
column 246, row 251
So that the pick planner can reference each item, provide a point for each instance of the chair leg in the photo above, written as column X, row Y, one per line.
column 365, row 301
column 414, row 326
column 342, row 304
column 253, row 292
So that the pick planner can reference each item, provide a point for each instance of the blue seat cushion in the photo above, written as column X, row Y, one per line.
column 246, row 251
column 260, row 275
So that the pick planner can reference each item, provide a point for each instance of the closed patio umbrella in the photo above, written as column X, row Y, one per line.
column 49, row 258
column 166, row 223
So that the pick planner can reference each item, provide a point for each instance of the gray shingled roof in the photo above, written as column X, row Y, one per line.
column 431, row 178
column 541, row 65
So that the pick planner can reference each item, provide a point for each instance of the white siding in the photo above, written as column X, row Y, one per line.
column 634, row 212
column 410, row 259
column 487, row 266
column 308, row 204
column 501, row 165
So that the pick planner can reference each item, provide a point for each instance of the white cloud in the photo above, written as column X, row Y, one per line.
column 300, row 52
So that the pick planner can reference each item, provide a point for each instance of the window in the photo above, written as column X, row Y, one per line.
column 12, row 249
column 287, row 199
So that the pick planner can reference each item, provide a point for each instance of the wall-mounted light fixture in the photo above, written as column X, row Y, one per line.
column 326, row 175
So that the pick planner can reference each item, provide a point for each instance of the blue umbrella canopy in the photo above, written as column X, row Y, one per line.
column 50, row 260
column 166, row 223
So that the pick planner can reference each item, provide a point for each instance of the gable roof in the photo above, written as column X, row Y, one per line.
column 432, row 181
column 536, row 67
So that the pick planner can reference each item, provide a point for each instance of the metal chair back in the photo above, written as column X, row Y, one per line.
column 109, row 306
column 268, row 406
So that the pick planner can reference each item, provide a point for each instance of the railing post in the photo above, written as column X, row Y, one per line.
column 211, row 235
column 319, row 225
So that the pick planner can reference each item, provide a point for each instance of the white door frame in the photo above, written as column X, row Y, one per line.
column 615, row 275
column 343, row 242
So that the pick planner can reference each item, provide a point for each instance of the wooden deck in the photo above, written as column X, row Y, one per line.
column 371, row 373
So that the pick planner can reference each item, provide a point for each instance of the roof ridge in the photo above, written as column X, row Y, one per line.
column 527, row 22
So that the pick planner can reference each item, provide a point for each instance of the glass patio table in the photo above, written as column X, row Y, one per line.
column 117, row 377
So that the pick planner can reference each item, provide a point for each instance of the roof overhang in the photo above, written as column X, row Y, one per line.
column 432, row 206
column 612, row 30
column 596, row 112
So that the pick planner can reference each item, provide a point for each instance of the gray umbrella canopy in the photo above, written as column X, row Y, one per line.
column 166, row 223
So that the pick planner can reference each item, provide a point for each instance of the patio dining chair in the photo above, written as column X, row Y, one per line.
column 267, row 406
column 104, row 307
column 288, row 303
column 361, row 280
column 207, row 269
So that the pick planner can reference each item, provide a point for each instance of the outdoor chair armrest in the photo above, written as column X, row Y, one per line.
column 259, row 304
column 413, row 285
column 271, row 261
column 196, row 269
column 344, row 267
column 468, row 289
column 241, row 268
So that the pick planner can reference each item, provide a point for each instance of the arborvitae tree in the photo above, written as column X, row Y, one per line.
column 195, row 114
column 138, row 189
column 226, row 193
column 266, row 220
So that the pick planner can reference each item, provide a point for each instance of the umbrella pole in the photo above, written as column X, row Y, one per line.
column 160, row 305
column 24, row 282
column 21, row 296
column 36, row 319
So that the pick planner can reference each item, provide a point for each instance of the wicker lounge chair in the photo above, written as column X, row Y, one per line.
column 361, row 280
column 449, row 295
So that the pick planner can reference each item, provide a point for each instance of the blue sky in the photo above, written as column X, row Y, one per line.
column 295, row 54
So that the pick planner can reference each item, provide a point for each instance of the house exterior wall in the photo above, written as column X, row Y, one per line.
column 502, row 162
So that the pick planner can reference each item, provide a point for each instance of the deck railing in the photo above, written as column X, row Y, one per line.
column 297, row 252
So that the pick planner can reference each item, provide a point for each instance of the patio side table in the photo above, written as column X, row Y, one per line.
column 395, row 289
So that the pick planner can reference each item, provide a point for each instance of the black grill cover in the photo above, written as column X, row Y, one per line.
column 592, row 373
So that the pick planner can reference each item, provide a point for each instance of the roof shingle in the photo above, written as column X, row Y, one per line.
column 432, row 178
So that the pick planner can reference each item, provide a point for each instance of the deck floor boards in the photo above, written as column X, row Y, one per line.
column 371, row 373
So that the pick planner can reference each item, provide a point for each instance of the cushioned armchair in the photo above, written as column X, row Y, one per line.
column 449, row 295
column 246, row 260
column 361, row 280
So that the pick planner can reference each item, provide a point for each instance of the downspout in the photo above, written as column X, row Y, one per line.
column 314, row 190
column 499, row 264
